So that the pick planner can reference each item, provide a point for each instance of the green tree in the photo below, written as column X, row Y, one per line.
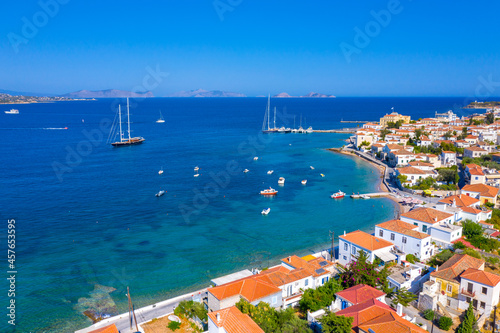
column 384, row 132
column 321, row 297
column 472, row 253
column 296, row 325
column 331, row 323
column 445, row 323
column 469, row 321
column 174, row 326
column 471, row 229
column 411, row 258
column 429, row 314
column 490, row 118
column 191, row 309
column 403, row 297
column 448, row 135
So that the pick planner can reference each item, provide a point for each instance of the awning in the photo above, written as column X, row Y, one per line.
column 386, row 256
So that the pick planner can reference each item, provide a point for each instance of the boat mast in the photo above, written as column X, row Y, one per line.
column 268, row 109
column 128, row 119
column 120, row 121
column 274, row 117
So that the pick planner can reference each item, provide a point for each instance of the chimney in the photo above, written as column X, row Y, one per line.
column 436, row 219
column 218, row 317
column 289, row 259
column 399, row 310
column 454, row 203
column 344, row 232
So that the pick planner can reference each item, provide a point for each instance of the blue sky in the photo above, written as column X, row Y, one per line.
column 423, row 48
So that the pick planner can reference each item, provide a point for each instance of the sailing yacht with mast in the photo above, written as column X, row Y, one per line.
column 161, row 120
column 267, row 119
column 126, row 141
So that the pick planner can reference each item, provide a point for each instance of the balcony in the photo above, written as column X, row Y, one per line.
column 468, row 293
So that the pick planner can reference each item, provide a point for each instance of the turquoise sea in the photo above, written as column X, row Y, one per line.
column 86, row 213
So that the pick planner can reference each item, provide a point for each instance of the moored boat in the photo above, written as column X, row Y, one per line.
column 196, row 168
column 281, row 181
column 246, row 170
column 126, row 141
column 270, row 172
column 161, row 120
column 338, row 195
column 312, row 168
column 322, row 175
column 266, row 211
column 255, row 158
column 304, row 182
column 159, row 194
column 12, row 111
column 160, row 171
column 269, row 191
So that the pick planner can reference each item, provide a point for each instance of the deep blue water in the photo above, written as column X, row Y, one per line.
column 86, row 212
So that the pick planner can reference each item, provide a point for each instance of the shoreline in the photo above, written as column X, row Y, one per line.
column 380, row 184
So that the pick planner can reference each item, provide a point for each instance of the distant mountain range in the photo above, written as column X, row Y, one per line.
column 109, row 93
column 310, row 95
column 205, row 93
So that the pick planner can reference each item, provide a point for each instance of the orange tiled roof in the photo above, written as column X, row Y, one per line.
column 476, row 172
column 309, row 265
column 251, row 288
column 366, row 241
column 475, row 149
column 427, row 215
column 360, row 293
column 455, row 266
column 483, row 190
column 471, row 210
column 483, row 277
column 461, row 200
column 409, row 170
column 403, row 228
column 234, row 321
column 420, row 163
column 108, row 329
column 281, row 275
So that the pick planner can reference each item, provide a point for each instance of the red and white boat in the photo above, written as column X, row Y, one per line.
column 338, row 195
column 269, row 191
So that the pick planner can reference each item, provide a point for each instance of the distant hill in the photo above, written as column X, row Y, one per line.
column 310, row 95
column 318, row 95
column 283, row 94
column 205, row 93
column 109, row 93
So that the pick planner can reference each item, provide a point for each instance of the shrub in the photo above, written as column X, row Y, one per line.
column 459, row 245
column 174, row 325
column 429, row 314
column 445, row 323
column 411, row 258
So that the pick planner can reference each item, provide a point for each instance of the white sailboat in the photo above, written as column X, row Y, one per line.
column 126, row 141
column 161, row 120
column 267, row 119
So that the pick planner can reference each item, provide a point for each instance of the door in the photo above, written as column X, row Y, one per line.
column 344, row 305
column 474, row 304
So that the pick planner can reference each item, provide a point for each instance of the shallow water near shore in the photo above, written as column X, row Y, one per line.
column 99, row 223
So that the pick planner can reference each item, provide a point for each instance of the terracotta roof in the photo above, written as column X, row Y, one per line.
column 461, row 200
column 483, row 277
column 360, row 293
column 234, row 321
column 466, row 243
column 310, row 266
column 251, row 288
column 366, row 241
column 483, row 190
column 476, row 172
column 403, row 228
column 108, row 329
column 409, row 170
column 455, row 266
column 471, row 210
column 379, row 317
column 420, row 163
column 281, row 275
column 448, row 152
column 403, row 152
column 394, row 146
column 475, row 149
column 427, row 215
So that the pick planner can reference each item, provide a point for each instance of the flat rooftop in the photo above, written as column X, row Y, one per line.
column 231, row 277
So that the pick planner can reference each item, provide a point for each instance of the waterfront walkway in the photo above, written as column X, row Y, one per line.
column 144, row 314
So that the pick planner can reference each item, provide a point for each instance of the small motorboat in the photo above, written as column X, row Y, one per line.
column 266, row 211
column 196, row 175
column 161, row 171
column 255, row 158
column 159, row 194
column 196, row 168
column 338, row 195
column 364, row 196
column 304, row 182
column 246, row 170
column 322, row 175
column 312, row 168
column 12, row 111
column 269, row 191
column 281, row 181
column 270, row 172
column 309, row 130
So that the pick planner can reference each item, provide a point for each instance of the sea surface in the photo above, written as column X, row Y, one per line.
column 88, row 223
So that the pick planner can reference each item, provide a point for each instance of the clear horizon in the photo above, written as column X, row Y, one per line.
column 377, row 48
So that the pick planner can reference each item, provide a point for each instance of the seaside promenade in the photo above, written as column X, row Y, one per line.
column 144, row 314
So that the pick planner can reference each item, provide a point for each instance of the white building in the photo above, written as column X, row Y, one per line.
column 479, row 287
column 356, row 295
column 424, row 218
column 408, row 276
column 351, row 243
column 448, row 158
column 406, row 238
column 415, row 176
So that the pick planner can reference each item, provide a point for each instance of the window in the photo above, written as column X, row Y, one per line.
column 346, row 246
column 484, row 290
column 449, row 288
column 392, row 236
column 381, row 233
column 448, row 302
column 424, row 228
column 482, row 305
column 415, row 223
column 468, row 299
column 345, row 258
column 404, row 240
column 353, row 250
column 306, row 282
column 470, row 287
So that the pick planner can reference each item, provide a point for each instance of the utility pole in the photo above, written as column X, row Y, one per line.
column 129, row 309
column 332, row 235
column 494, row 319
